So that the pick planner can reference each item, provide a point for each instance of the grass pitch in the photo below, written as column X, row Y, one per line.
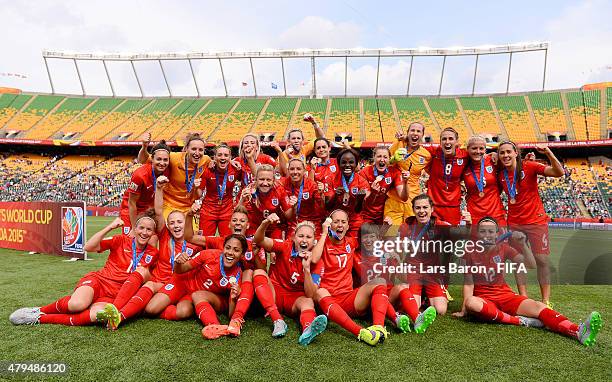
column 150, row 349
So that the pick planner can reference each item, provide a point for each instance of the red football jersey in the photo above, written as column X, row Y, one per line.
column 436, row 231
column 491, row 283
column 262, row 205
column 490, row 203
column 163, row 269
column 528, row 207
column 119, row 263
column 444, row 185
column 142, row 183
column 311, row 208
column 212, row 182
column 337, row 259
column 207, row 273
column 325, row 172
column 287, row 271
column 373, row 210
column 247, row 176
column 357, row 186
column 248, row 260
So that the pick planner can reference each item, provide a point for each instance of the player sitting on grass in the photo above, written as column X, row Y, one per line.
column 488, row 297
column 129, row 254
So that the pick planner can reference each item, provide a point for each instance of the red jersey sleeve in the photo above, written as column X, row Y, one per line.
column 109, row 243
column 137, row 183
column 537, row 168
column 279, row 246
column 283, row 198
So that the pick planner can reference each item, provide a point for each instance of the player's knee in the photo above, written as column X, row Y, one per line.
column 77, row 305
column 473, row 304
column 440, row 307
column 321, row 293
column 153, row 309
column 184, row 311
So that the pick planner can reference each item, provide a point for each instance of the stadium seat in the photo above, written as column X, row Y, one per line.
column 316, row 107
column 585, row 113
column 166, row 127
column 413, row 110
column 208, row 118
column 277, row 116
column 70, row 108
column 88, row 117
column 344, row 118
column 10, row 104
column 372, row 124
column 514, row 115
column 447, row 114
column 133, row 128
column 114, row 119
column 34, row 112
column 239, row 121
column 480, row 115
column 548, row 111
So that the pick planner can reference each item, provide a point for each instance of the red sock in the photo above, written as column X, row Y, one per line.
column 169, row 313
column 558, row 323
column 409, row 304
column 129, row 287
column 338, row 315
column 206, row 313
column 59, row 306
column 490, row 312
column 137, row 303
column 77, row 319
column 379, row 304
column 306, row 317
column 244, row 300
column 265, row 296
column 391, row 313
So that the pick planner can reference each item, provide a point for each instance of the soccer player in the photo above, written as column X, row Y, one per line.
column 132, row 298
column 186, row 168
column 297, row 147
column 408, row 155
column 519, row 180
column 425, row 227
column 348, row 190
column 293, row 279
column 445, row 170
column 398, row 290
column 214, row 283
column 127, row 255
column 382, row 179
column 481, row 182
column 264, row 197
column 335, row 294
column 322, row 167
column 310, row 205
column 250, row 147
column 138, row 197
column 487, row 296
column 254, row 259
column 218, row 183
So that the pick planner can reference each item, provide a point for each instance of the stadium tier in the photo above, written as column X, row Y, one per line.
column 529, row 117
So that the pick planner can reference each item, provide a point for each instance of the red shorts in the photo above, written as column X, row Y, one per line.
column 176, row 290
column 537, row 235
column 285, row 299
column 507, row 302
column 210, row 223
column 430, row 287
column 347, row 302
column 103, row 288
column 451, row 215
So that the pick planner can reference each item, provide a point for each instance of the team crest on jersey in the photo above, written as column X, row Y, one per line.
column 332, row 168
column 489, row 169
column 306, row 195
column 248, row 256
column 388, row 180
column 275, row 202
column 189, row 252
column 148, row 259
column 421, row 160
column 497, row 259
column 460, row 162
column 230, row 178
column 348, row 248
column 223, row 282
column 354, row 190
column 200, row 169
column 133, row 186
column 169, row 287
column 126, row 230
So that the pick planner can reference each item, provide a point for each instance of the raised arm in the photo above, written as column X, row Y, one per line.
column 260, row 238
column 93, row 244
column 310, row 287
column 555, row 169
column 317, row 251
column 190, row 236
column 143, row 154
column 158, row 202
column 132, row 208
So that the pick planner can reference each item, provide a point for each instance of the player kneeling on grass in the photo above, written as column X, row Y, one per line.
column 293, row 279
column 400, row 297
column 129, row 254
column 487, row 296
column 335, row 295
column 172, row 243
column 213, row 280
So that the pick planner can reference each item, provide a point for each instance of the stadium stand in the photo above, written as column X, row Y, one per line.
column 90, row 116
column 133, row 128
column 514, row 115
column 412, row 110
column 68, row 109
column 549, row 112
column 585, row 113
column 344, row 118
column 371, row 123
column 33, row 112
column 11, row 104
column 318, row 109
column 277, row 115
column 208, row 118
column 114, row 119
column 480, row 114
column 609, row 108
column 447, row 114
column 177, row 118
column 240, row 121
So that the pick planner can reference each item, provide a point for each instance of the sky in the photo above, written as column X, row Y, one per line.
column 579, row 33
